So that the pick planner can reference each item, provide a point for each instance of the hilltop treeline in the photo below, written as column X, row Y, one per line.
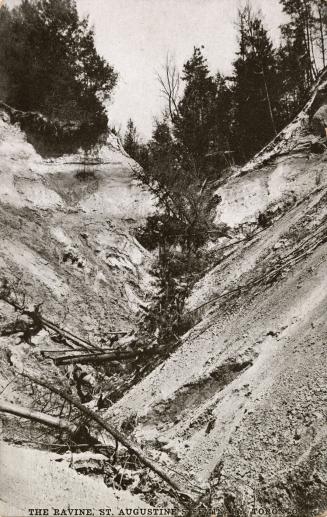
column 49, row 64
column 222, row 120
column 215, row 123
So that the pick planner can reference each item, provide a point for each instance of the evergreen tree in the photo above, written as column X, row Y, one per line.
column 222, row 143
column 256, row 89
column 319, row 10
column 195, row 122
column 178, row 230
column 298, row 54
column 134, row 147
column 4, row 31
column 131, row 141
column 49, row 57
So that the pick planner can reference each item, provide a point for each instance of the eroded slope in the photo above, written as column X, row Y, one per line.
column 240, row 408
column 66, row 232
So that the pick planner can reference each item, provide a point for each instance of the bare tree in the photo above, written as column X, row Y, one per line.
column 169, row 81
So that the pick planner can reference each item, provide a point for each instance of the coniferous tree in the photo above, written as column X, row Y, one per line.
column 4, row 31
column 298, row 55
column 195, row 122
column 319, row 10
column 222, row 143
column 131, row 141
column 133, row 145
column 256, row 90
column 49, row 57
column 178, row 230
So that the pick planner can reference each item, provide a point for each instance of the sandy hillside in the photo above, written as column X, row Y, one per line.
column 66, row 232
column 238, row 412
column 241, row 406
column 67, row 243
column 37, row 479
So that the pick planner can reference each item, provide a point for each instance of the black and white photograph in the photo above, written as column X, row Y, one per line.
column 163, row 258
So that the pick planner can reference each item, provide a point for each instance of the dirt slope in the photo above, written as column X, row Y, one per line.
column 37, row 479
column 238, row 412
column 66, row 232
column 240, row 408
column 66, row 242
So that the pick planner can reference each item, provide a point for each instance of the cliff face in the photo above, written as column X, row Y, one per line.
column 66, row 242
column 241, row 406
column 66, row 232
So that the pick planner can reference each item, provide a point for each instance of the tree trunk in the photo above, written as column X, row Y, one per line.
column 68, row 335
column 322, row 38
column 97, row 358
column 269, row 103
column 120, row 437
column 309, row 44
column 36, row 416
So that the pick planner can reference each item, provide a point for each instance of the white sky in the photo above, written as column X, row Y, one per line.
column 136, row 35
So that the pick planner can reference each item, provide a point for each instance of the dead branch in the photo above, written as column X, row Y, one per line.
column 39, row 417
column 315, row 239
column 120, row 437
column 69, row 335
column 170, row 84
column 98, row 358
column 39, row 321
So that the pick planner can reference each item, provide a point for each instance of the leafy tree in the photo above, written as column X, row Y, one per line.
column 49, row 57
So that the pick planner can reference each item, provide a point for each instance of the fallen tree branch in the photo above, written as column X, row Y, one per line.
column 302, row 250
column 39, row 417
column 44, row 322
column 68, row 335
column 120, row 437
column 98, row 358
column 70, row 350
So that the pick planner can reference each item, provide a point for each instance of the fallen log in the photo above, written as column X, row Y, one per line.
column 70, row 350
column 39, row 417
column 68, row 335
column 97, row 358
column 119, row 437
column 85, row 345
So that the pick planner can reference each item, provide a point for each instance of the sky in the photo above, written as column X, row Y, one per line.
column 135, row 36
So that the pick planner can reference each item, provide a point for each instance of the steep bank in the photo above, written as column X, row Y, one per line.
column 238, row 412
column 240, row 408
column 66, row 232
column 67, row 244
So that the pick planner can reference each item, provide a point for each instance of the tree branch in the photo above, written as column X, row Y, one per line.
column 120, row 437
column 39, row 417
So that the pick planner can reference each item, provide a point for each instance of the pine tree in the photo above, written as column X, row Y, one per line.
column 196, row 119
column 131, row 141
column 49, row 57
column 319, row 10
column 256, row 90
column 222, row 144
column 298, row 63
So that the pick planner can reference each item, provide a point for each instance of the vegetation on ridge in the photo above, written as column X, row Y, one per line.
column 50, row 65
column 211, row 124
